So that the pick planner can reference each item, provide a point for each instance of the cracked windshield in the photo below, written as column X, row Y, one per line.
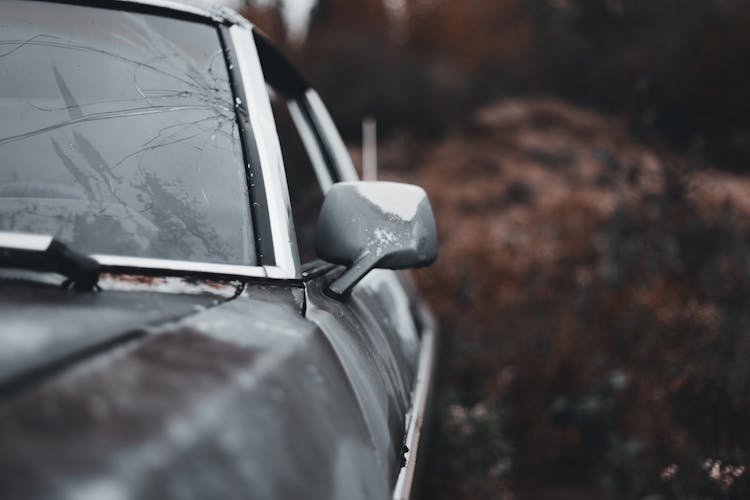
column 118, row 135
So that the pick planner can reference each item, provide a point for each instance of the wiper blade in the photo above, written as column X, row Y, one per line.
column 45, row 253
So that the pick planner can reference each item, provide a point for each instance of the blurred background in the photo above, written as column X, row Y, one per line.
column 588, row 162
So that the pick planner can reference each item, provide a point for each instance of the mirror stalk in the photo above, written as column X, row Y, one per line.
column 342, row 286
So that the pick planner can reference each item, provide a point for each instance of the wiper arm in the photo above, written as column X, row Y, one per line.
column 45, row 253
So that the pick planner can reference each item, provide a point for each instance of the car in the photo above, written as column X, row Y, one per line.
column 194, row 303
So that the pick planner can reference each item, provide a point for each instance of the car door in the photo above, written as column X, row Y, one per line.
column 373, row 332
column 389, row 295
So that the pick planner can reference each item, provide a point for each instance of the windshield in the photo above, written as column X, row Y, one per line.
column 118, row 134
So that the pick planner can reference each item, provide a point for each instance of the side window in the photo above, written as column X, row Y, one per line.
column 305, row 193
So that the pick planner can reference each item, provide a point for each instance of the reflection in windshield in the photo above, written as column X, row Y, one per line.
column 118, row 134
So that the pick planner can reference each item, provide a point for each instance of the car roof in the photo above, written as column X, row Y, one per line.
column 217, row 13
column 171, row 5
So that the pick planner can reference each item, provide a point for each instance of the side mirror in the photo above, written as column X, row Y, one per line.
column 367, row 225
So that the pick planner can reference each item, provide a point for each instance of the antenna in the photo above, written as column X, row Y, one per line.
column 369, row 149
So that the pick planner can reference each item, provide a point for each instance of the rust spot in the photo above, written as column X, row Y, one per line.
column 134, row 278
column 170, row 283
column 214, row 284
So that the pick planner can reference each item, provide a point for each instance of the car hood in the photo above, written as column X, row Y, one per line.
column 44, row 327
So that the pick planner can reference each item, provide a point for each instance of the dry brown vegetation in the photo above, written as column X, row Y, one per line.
column 593, row 297
column 676, row 70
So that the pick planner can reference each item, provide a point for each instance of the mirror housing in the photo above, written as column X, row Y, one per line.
column 367, row 225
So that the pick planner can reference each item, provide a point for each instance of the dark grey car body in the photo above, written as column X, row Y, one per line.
column 192, row 380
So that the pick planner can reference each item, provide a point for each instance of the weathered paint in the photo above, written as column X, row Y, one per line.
column 246, row 399
column 378, row 353
column 42, row 324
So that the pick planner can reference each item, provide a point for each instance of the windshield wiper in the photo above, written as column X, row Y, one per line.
column 45, row 253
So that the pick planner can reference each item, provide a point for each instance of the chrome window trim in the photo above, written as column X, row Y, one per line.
column 180, row 266
column 263, row 126
column 312, row 147
column 404, row 488
column 342, row 161
column 40, row 243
